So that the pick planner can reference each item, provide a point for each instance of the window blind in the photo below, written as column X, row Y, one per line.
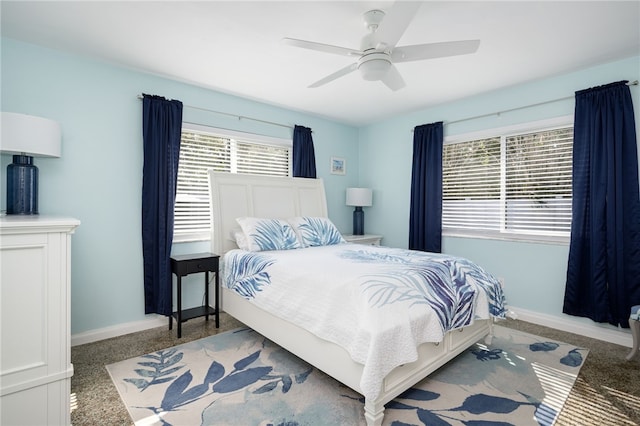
column 538, row 181
column 261, row 159
column 519, row 183
column 471, row 185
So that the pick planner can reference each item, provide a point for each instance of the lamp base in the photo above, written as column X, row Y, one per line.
column 358, row 221
column 22, row 186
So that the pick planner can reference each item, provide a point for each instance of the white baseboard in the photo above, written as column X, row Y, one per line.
column 91, row 336
column 604, row 332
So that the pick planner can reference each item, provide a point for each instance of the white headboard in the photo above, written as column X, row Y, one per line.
column 236, row 195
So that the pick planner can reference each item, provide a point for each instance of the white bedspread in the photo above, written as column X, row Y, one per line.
column 378, row 303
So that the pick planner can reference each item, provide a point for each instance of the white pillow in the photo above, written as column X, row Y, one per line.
column 316, row 231
column 237, row 236
column 268, row 234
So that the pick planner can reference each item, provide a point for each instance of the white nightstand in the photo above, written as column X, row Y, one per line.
column 366, row 239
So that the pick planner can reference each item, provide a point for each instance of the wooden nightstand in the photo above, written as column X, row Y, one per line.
column 186, row 264
column 366, row 239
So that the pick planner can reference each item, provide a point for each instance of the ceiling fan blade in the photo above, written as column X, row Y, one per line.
column 393, row 80
column 396, row 21
column 434, row 50
column 344, row 71
column 327, row 48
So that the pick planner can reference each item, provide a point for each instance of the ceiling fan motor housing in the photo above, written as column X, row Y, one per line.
column 374, row 63
column 372, row 20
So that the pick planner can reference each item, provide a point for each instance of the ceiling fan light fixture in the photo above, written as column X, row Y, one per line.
column 375, row 66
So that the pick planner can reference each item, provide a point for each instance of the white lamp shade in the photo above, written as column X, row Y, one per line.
column 374, row 69
column 359, row 197
column 374, row 65
column 30, row 135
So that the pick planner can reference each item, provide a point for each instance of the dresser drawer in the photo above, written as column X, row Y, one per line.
column 192, row 263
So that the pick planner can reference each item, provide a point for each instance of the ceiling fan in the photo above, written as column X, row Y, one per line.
column 378, row 52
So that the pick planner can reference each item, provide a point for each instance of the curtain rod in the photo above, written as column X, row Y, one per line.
column 239, row 117
column 631, row 83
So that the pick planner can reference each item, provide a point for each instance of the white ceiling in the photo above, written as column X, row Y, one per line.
column 235, row 46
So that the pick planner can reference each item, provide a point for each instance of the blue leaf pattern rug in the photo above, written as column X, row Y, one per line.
column 241, row 378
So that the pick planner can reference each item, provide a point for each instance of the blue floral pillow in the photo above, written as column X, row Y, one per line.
column 316, row 231
column 268, row 234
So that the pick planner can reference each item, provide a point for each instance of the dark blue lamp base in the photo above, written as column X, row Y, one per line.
column 358, row 221
column 22, row 186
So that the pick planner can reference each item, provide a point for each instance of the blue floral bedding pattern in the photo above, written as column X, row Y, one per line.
column 268, row 234
column 249, row 275
column 443, row 282
column 378, row 303
column 316, row 231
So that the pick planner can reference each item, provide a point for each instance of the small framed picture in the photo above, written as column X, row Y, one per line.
column 338, row 166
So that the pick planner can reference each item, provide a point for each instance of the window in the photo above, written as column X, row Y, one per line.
column 204, row 148
column 514, row 181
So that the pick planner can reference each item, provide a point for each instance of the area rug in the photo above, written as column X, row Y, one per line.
column 241, row 378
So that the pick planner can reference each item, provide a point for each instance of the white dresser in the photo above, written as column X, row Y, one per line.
column 35, row 353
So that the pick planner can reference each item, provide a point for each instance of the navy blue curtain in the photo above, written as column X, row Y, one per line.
column 603, row 274
column 425, row 216
column 304, row 157
column 161, row 128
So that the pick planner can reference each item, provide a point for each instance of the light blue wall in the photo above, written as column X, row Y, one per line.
column 98, row 178
column 534, row 273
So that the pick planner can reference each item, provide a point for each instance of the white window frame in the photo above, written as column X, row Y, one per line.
column 504, row 133
column 205, row 234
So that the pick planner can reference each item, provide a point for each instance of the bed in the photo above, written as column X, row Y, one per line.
column 379, row 374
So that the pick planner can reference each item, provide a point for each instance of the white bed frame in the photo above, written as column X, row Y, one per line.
column 237, row 195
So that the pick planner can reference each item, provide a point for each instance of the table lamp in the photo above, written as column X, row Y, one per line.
column 359, row 197
column 26, row 136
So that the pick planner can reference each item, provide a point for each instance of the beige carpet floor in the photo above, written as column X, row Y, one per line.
column 607, row 391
